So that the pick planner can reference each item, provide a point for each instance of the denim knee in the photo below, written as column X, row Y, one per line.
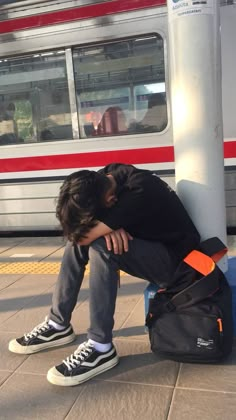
column 99, row 245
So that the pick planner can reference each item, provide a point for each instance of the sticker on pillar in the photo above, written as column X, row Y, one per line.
column 180, row 8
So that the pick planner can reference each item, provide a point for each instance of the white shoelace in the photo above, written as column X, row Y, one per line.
column 44, row 326
column 75, row 359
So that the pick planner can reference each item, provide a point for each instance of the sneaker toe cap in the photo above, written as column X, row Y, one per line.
column 15, row 346
column 55, row 377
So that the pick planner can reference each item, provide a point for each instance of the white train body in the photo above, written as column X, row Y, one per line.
column 76, row 81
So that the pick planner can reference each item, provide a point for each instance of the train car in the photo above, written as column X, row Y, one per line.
column 84, row 83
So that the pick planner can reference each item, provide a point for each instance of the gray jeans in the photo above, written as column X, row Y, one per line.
column 145, row 259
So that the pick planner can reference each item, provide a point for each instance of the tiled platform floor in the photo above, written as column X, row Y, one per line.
column 141, row 387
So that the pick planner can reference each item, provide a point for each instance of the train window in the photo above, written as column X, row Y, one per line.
column 34, row 99
column 120, row 87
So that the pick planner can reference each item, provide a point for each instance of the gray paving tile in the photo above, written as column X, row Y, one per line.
column 28, row 286
column 129, row 294
column 7, row 243
column 219, row 377
column 8, row 279
column 23, row 293
column 120, row 318
column 117, row 401
column 139, row 365
column 8, row 361
column 57, row 254
column 39, row 247
column 130, row 285
column 26, row 396
column 3, row 376
column 28, row 317
column 36, row 309
column 202, row 405
column 134, row 325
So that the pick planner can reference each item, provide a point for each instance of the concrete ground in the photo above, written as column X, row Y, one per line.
column 142, row 386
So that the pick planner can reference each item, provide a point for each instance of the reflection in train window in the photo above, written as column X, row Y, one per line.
column 120, row 87
column 34, row 100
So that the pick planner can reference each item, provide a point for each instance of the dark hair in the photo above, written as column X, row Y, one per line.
column 11, row 106
column 46, row 134
column 79, row 201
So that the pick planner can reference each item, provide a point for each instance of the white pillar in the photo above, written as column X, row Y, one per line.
column 195, row 82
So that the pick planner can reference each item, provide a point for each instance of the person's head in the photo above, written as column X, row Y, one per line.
column 10, row 111
column 82, row 195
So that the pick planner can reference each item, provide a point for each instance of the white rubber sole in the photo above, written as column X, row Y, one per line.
column 15, row 347
column 56, row 378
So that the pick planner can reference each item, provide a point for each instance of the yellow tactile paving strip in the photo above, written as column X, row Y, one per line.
column 30, row 267
column 33, row 267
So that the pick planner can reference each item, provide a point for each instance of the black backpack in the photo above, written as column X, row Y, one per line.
column 191, row 320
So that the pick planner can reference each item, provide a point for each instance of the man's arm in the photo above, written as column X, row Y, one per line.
column 116, row 240
column 96, row 232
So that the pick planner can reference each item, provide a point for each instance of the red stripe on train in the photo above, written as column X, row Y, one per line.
column 230, row 149
column 77, row 13
column 84, row 160
column 95, row 159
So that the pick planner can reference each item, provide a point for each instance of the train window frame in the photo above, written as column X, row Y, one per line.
column 42, row 63
column 164, row 99
column 70, row 82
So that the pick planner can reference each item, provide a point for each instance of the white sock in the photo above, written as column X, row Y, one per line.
column 100, row 346
column 55, row 325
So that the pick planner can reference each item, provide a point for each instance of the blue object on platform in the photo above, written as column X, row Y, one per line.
column 149, row 293
column 150, row 290
column 231, row 277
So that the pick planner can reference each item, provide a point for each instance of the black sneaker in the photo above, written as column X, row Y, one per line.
column 82, row 365
column 41, row 337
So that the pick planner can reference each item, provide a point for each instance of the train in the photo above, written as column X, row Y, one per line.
column 86, row 83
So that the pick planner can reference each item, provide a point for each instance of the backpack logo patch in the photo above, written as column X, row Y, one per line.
column 207, row 344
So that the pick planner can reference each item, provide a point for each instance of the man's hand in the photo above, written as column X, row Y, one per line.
column 118, row 241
